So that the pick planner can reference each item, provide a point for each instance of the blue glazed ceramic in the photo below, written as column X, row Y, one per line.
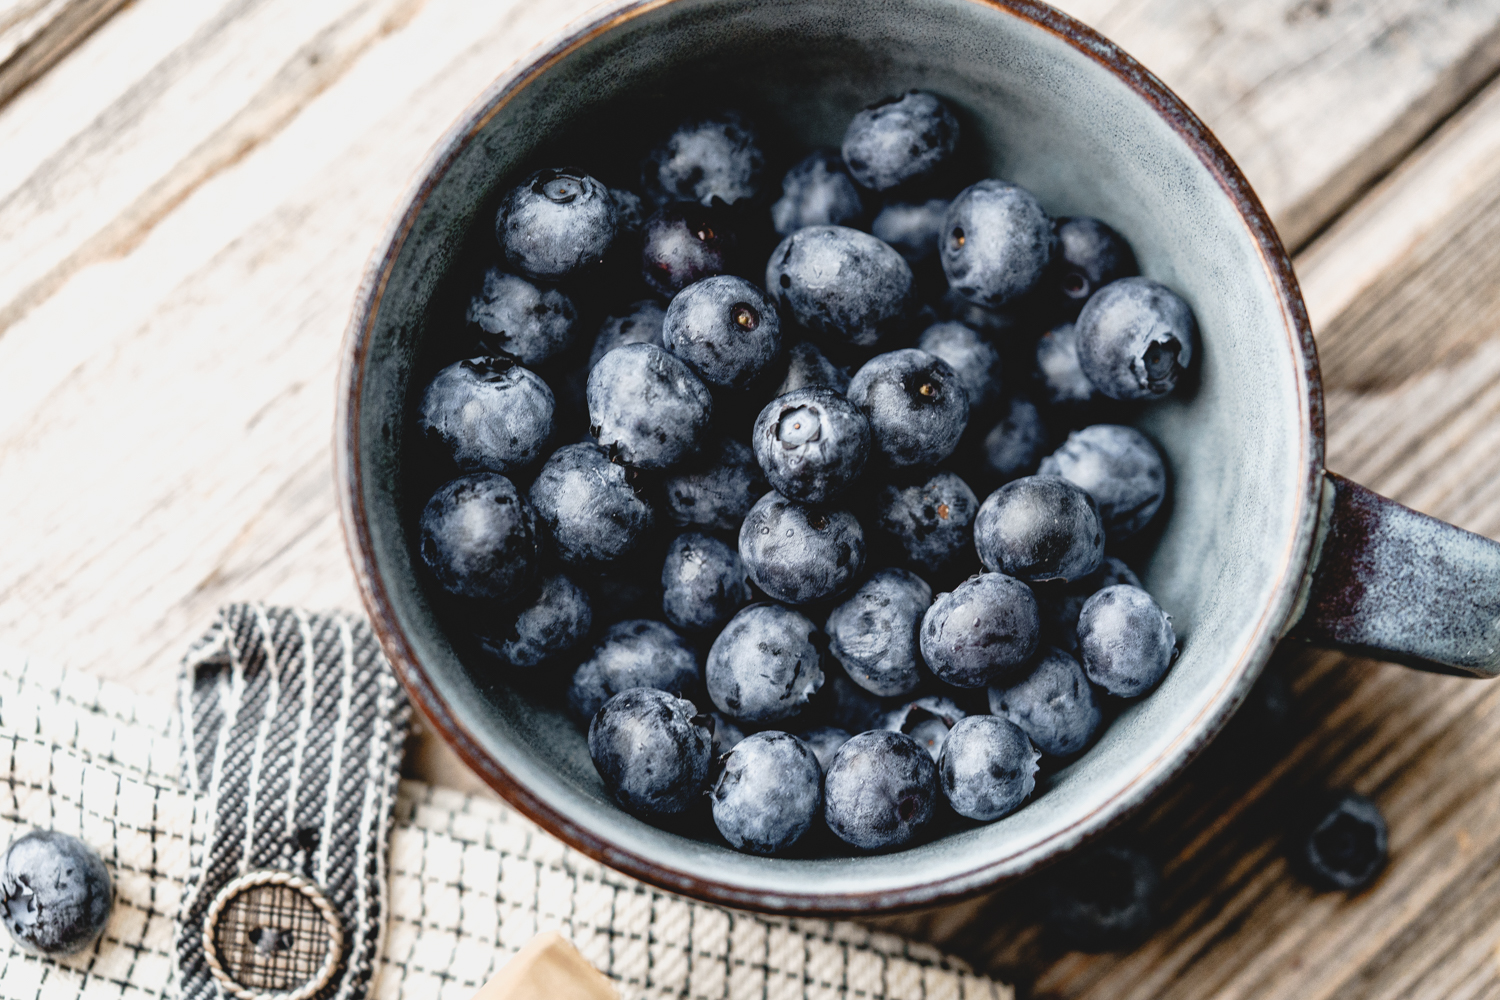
column 1065, row 113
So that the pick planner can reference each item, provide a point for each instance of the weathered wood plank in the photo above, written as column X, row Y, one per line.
column 36, row 34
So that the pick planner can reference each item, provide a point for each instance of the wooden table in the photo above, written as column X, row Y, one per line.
column 188, row 190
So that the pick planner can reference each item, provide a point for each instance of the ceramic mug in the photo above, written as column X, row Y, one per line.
column 1258, row 541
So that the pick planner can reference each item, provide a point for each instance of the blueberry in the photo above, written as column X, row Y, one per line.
column 551, row 626
column 807, row 367
column 480, row 538
column 817, row 192
column 1344, row 846
column 927, row 720
column 874, row 633
column 811, row 444
column 716, row 488
column 705, row 158
column 1135, row 339
column 765, row 665
column 1040, row 528
column 797, row 553
column 824, row 742
column 1014, row 446
column 683, row 244
column 997, row 243
column 519, row 320
column 630, row 212
column 556, row 223
column 725, row 328
column 1125, row 640
column 1053, row 704
column 653, row 751
column 639, row 324
column 1060, row 609
column 488, row 414
column 928, row 525
column 633, row 654
column 898, row 139
column 1104, row 900
column 586, row 501
column 55, row 893
column 973, row 360
column 1064, row 386
column 842, row 284
column 768, row 793
column 703, row 582
column 987, row 767
column 912, row 229
column 985, row 625
column 850, row 707
column 1120, row 468
column 727, row 735
column 1092, row 255
column 880, row 791
column 998, row 324
column 647, row 407
column 916, row 406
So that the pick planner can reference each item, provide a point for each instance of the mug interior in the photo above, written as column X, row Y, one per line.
column 1045, row 109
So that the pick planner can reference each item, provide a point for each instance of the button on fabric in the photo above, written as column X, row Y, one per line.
column 272, row 934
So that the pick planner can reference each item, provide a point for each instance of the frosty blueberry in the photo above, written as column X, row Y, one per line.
column 927, row 525
column 973, row 360
column 842, row 284
column 1039, row 528
column 647, row 407
column 911, row 228
column 768, row 793
column 873, row 634
column 703, row 582
column 1014, row 446
column 633, row 654
column 1125, row 640
column 479, row 538
column 811, row 444
column 488, row 414
column 983, row 627
column 1064, row 386
column 928, row 720
column 652, row 750
column 517, row 319
column 55, row 893
column 716, row 488
column 764, row 665
column 684, row 243
column 881, row 791
column 797, row 553
column 1120, row 468
column 639, row 323
column 987, row 767
column 725, row 328
column 1053, row 704
column 817, row 192
column 545, row 630
column 824, row 742
column 997, row 243
column 1344, row 845
column 1135, row 339
column 556, row 223
column 1091, row 255
column 716, row 156
column 916, row 406
column 807, row 367
column 592, row 514
column 899, row 139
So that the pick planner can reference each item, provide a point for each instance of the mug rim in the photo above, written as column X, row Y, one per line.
column 1288, row 594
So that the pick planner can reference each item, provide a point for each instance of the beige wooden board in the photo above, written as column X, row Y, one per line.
column 186, row 202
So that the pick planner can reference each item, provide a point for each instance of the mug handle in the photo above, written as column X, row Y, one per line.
column 1387, row 582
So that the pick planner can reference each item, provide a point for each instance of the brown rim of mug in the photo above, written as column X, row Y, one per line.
column 1196, row 734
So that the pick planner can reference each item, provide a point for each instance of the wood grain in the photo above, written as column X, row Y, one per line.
column 35, row 34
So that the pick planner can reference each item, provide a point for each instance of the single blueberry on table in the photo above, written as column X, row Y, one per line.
column 716, row 488
column 873, row 634
column 1064, row 386
column 727, row 735
column 911, row 228
column 548, row 628
column 1014, row 446
column 824, row 742
column 1091, row 255
column 488, row 414
column 1053, row 704
column 765, row 664
column 973, row 359
column 633, row 654
column 881, row 790
column 725, row 328
column 653, row 751
column 1120, row 468
column 796, row 553
column 647, row 407
column 683, row 243
column 1344, row 844
column 516, row 319
column 916, row 405
column 1135, row 339
column 1040, row 528
column 1125, row 640
column 928, row 720
column 55, row 893
column 556, row 223
column 844, row 285
column 703, row 582
column 768, row 793
column 811, row 443
column 997, row 243
column 807, row 367
column 593, row 515
column 987, row 767
column 899, row 139
column 1104, row 900
column 640, row 323
column 817, row 192
column 479, row 538
column 972, row 635
column 1060, row 608
column 928, row 526
column 716, row 156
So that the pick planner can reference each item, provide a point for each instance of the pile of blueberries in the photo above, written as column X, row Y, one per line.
column 769, row 526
